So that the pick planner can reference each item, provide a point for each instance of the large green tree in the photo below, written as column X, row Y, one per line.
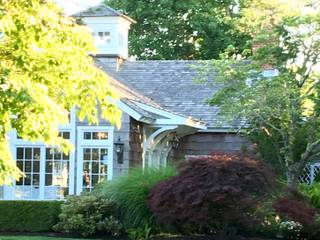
column 180, row 29
column 45, row 72
column 284, row 109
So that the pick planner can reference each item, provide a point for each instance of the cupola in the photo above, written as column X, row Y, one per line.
column 109, row 28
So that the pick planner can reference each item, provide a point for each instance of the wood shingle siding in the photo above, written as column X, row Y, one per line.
column 206, row 143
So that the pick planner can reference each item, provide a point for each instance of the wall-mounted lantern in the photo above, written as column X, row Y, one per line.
column 119, row 149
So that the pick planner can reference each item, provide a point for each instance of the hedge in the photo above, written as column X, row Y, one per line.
column 28, row 216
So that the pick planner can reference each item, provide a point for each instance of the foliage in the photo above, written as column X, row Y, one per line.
column 210, row 193
column 34, row 238
column 312, row 192
column 88, row 215
column 284, row 108
column 140, row 233
column 180, row 29
column 45, row 72
column 130, row 193
column 28, row 216
column 297, row 213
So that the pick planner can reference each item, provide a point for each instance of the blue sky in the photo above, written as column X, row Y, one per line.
column 73, row 6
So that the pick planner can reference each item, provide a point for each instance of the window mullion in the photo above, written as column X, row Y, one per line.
column 42, row 170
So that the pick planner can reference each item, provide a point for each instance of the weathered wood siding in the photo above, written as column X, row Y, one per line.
column 206, row 143
column 135, row 143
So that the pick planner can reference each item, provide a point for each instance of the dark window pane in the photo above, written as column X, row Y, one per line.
column 28, row 153
column 36, row 166
column 49, row 153
column 86, row 153
column 95, row 179
column 95, row 135
column 104, row 155
column 103, row 169
column 48, row 179
column 20, row 165
column 95, row 167
column 20, row 181
column 86, row 167
column 27, row 166
column 87, row 135
column 27, row 179
column 65, row 156
column 86, row 179
column 36, row 154
column 35, row 179
column 65, row 191
column 57, row 154
column 66, row 135
column 49, row 167
column 95, row 154
column 19, row 153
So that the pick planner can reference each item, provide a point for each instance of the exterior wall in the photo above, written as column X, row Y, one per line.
column 75, row 175
column 119, row 135
column 206, row 143
column 135, row 143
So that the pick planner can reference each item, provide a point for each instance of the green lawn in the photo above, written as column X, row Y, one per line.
column 35, row 238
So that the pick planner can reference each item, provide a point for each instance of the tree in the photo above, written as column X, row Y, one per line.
column 196, row 29
column 45, row 72
column 284, row 108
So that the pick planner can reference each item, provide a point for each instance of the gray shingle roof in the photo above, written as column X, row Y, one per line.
column 170, row 84
column 129, row 95
column 102, row 10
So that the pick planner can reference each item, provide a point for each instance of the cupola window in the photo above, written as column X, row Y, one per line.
column 102, row 37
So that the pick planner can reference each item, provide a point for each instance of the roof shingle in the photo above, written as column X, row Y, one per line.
column 170, row 83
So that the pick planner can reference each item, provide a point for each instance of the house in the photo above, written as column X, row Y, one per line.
column 165, row 116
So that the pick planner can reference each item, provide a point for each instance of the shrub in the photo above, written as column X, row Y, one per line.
column 130, row 193
column 214, row 192
column 28, row 216
column 88, row 215
column 312, row 192
column 294, row 207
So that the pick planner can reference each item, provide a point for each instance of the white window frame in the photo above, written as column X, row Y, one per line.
column 83, row 143
column 15, row 142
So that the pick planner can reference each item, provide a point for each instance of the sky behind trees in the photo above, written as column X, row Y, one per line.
column 73, row 6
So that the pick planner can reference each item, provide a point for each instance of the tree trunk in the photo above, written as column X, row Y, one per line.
column 292, row 177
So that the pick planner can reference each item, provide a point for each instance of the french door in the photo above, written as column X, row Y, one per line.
column 94, row 157
column 48, row 173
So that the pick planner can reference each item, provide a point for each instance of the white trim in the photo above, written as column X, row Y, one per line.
column 108, row 143
column 171, row 117
column 124, row 107
column 133, row 113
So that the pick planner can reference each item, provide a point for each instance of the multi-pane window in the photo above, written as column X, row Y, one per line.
column 95, row 166
column 28, row 161
column 95, row 135
column 102, row 37
column 46, row 171
column 56, row 171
